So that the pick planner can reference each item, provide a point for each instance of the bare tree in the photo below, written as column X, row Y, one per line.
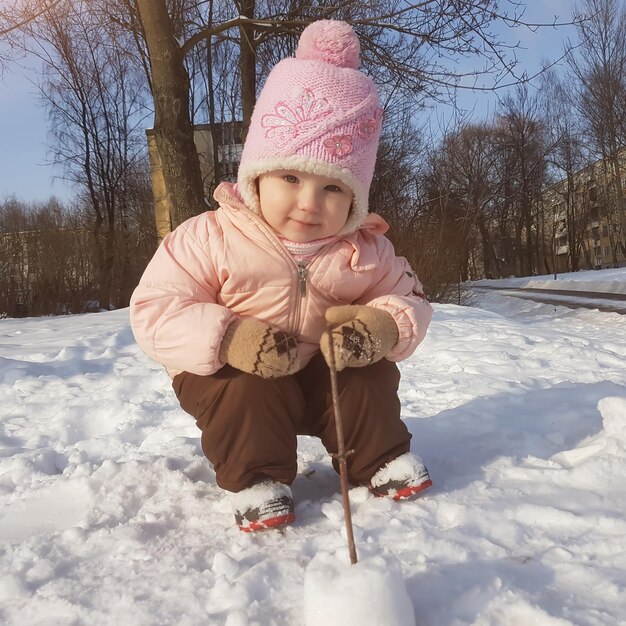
column 448, row 240
column 172, row 124
column 598, row 75
column 16, row 15
column 206, row 59
column 41, row 247
column 404, row 48
column 571, row 204
column 96, row 101
column 524, row 153
column 471, row 157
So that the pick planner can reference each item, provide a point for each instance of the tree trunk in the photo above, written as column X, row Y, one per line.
column 528, row 223
column 172, row 124
column 488, row 255
column 619, row 214
column 247, row 66
column 215, row 140
column 106, row 287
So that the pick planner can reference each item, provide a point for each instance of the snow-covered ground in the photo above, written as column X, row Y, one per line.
column 109, row 513
column 603, row 281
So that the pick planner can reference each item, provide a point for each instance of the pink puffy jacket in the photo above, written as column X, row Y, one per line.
column 228, row 263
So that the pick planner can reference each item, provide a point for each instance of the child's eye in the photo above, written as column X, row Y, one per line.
column 290, row 178
column 333, row 188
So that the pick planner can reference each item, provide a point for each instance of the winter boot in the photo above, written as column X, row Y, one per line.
column 265, row 505
column 401, row 478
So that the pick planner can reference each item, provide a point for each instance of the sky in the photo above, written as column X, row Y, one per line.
column 110, row 514
column 25, row 169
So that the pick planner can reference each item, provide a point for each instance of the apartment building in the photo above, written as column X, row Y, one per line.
column 587, row 223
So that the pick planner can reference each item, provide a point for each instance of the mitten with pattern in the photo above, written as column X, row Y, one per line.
column 361, row 335
column 256, row 348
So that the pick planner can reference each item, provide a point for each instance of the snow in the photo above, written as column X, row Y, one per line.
column 109, row 513
column 599, row 281
column 370, row 592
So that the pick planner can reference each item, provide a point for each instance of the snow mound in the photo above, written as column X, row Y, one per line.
column 613, row 411
column 369, row 593
column 513, row 610
column 609, row 442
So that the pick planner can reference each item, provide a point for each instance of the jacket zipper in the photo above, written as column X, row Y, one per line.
column 302, row 271
column 301, row 267
column 302, row 276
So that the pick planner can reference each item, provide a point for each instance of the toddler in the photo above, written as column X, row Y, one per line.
column 234, row 302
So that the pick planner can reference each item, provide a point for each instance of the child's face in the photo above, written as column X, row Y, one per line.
column 302, row 207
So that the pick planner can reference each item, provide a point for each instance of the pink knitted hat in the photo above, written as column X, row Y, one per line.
column 318, row 114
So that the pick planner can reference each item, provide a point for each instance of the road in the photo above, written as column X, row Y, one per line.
column 607, row 302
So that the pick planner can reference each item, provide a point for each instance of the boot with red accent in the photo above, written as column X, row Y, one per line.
column 403, row 477
column 263, row 506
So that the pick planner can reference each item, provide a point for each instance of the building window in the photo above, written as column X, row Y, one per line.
column 607, row 250
column 605, row 230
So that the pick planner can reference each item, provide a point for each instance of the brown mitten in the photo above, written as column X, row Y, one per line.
column 361, row 335
column 254, row 347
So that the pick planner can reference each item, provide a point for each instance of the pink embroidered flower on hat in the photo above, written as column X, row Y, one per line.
column 367, row 128
column 288, row 117
column 339, row 145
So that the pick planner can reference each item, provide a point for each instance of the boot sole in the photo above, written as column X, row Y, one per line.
column 268, row 524
column 406, row 492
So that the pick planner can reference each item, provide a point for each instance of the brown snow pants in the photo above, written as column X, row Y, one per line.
column 249, row 424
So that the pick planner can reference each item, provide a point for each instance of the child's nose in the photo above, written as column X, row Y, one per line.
column 308, row 200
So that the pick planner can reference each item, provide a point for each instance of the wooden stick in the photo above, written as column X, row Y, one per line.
column 341, row 454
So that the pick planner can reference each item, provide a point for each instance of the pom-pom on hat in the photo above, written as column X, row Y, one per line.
column 319, row 114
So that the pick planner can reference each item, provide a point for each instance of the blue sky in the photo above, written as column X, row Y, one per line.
column 24, row 148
